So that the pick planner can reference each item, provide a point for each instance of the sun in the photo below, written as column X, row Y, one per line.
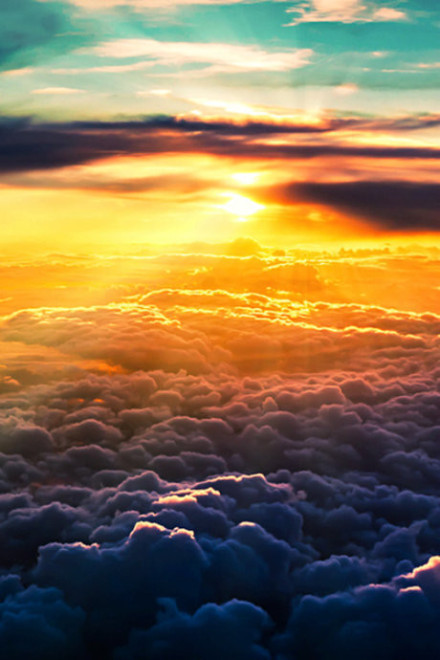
column 245, row 178
column 240, row 206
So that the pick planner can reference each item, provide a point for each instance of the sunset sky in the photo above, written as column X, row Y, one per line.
column 219, row 330
column 147, row 122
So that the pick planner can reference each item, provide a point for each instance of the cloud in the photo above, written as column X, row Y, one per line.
column 428, row 65
column 343, row 11
column 221, row 56
column 57, row 90
column 394, row 205
column 27, row 145
column 156, row 510
column 287, row 338
column 346, row 89
column 37, row 623
column 164, row 5
column 234, row 629
column 389, row 14
column 257, row 475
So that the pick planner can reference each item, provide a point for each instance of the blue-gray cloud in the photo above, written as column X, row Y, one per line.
column 26, row 145
column 393, row 205
column 163, row 513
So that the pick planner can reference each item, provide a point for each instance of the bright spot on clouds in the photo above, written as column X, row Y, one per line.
column 241, row 206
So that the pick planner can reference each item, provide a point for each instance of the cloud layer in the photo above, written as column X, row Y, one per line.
column 27, row 145
column 236, row 475
column 356, row 167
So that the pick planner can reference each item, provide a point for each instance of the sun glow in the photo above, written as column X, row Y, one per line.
column 241, row 206
column 245, row 178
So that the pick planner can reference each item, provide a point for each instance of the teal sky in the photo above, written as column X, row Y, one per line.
column 96, row 58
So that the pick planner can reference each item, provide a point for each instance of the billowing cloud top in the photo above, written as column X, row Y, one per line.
column 206, row 472
column 219, row 330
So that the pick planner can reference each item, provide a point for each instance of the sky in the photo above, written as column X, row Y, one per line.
column 219, row 330
column 315, row 122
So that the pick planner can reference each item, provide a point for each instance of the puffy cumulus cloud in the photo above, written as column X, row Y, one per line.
column 199, row 331
column 37, row 623
column 214, row 631
column 395, row 619
column 296, row 274
column 244, row 475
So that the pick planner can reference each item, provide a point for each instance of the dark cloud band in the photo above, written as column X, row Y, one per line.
column 26, row 146
column 392, row 205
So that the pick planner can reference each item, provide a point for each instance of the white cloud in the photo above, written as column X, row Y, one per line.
column 159, row 4
column 57, row 90
column 343, row 11
column 12, row 73
column 428, row 65
column 346, row 89
column 388, row 14
column 115, row 68
column 222, row 56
